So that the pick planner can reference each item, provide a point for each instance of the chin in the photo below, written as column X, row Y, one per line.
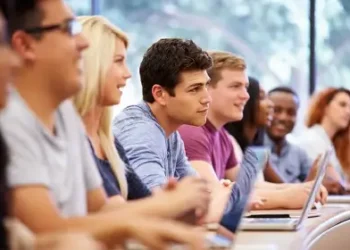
column 236, row 118
column 198, row 123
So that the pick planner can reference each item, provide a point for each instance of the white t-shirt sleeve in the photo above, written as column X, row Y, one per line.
column 311, row 144
column 25, row 166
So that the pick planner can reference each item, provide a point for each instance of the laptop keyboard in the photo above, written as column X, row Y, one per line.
column 270, row 220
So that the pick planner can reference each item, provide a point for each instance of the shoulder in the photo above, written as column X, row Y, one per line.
column 192, row 133
column 19, row 125
column 135, row 121
column 16, row 114
column 131, row 114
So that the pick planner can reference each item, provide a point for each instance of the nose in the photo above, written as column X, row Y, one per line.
column 206, row 100
column 127, row 73
column 244, row 95
column 82, row 42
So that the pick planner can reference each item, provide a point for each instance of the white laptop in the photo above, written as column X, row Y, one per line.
column 286, row 222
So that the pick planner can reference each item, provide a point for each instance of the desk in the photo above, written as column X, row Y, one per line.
column 311, row 236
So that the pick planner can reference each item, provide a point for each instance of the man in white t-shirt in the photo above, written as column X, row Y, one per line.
column 54, row 184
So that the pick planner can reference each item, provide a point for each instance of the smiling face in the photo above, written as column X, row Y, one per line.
column 285, row 114
column 117, row 75
column 229, row 95
column 57, row 56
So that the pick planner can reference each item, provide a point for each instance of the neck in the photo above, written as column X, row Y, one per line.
column 216, row 120
column 278, row 143
column 168, row 124
column 250, row 132
column 330, row 129
column 38, row 99
column 92, row 121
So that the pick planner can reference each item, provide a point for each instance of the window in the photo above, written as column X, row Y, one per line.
column 80, row 7
column 333, row 43
column 271, row 35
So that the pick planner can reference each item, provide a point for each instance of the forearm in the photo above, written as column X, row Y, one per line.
column 271, row 186
column 108, row 228
column 154, row 205
column 273, row 199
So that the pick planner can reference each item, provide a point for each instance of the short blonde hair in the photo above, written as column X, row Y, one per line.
column 97, row 59
column 224, row 60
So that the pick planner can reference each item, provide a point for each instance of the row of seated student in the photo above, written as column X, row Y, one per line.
column 56, row 171
column 292, row 162
column 51, row 179
column 328, row 114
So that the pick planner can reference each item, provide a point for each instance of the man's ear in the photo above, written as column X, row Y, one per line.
column 159, row 94
column 23, row 44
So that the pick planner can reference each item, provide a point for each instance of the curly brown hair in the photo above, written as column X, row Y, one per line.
column 341, row 140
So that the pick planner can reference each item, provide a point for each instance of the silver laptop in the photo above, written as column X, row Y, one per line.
column 289, row 224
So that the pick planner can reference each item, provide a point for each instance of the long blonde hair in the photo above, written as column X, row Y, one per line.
column 97, row 59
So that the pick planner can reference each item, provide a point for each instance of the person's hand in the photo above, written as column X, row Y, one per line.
column 220, row 195
column 333, row 186
column 157, row 233
column 188, row 195
column 64, row 241
column 295, row 196
column 255, row 202
column 322, row 195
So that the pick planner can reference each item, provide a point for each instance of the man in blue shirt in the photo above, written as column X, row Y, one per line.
column 174, row 81
column 289, row 160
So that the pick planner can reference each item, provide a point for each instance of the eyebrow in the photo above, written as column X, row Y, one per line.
column 198, row 84
column 242, row 83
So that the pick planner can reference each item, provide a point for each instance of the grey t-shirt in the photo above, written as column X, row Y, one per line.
column 63, row 163
column 153, row 156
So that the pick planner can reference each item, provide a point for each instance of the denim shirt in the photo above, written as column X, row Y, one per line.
column 292, row 164
column 153, row 156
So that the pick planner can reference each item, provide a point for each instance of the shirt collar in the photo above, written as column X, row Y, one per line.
column 272, row 145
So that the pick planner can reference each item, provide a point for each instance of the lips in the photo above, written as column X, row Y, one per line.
column 239, row 106
column 203, row 111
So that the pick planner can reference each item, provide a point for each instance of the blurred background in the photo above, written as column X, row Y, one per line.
column 304, row 44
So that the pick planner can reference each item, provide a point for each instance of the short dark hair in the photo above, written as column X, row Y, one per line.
column 165, row 60
column 21, row 14
column 284, row 89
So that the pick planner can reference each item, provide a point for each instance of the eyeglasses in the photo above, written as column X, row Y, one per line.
column 70, row 26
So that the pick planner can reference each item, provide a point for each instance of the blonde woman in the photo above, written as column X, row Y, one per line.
column 105, row 73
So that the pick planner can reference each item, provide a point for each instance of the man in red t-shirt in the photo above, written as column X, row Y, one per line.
column 209, row 147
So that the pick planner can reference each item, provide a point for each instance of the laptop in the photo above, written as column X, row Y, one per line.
column 246, row 178
column 339, row 199
column 286, row 222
